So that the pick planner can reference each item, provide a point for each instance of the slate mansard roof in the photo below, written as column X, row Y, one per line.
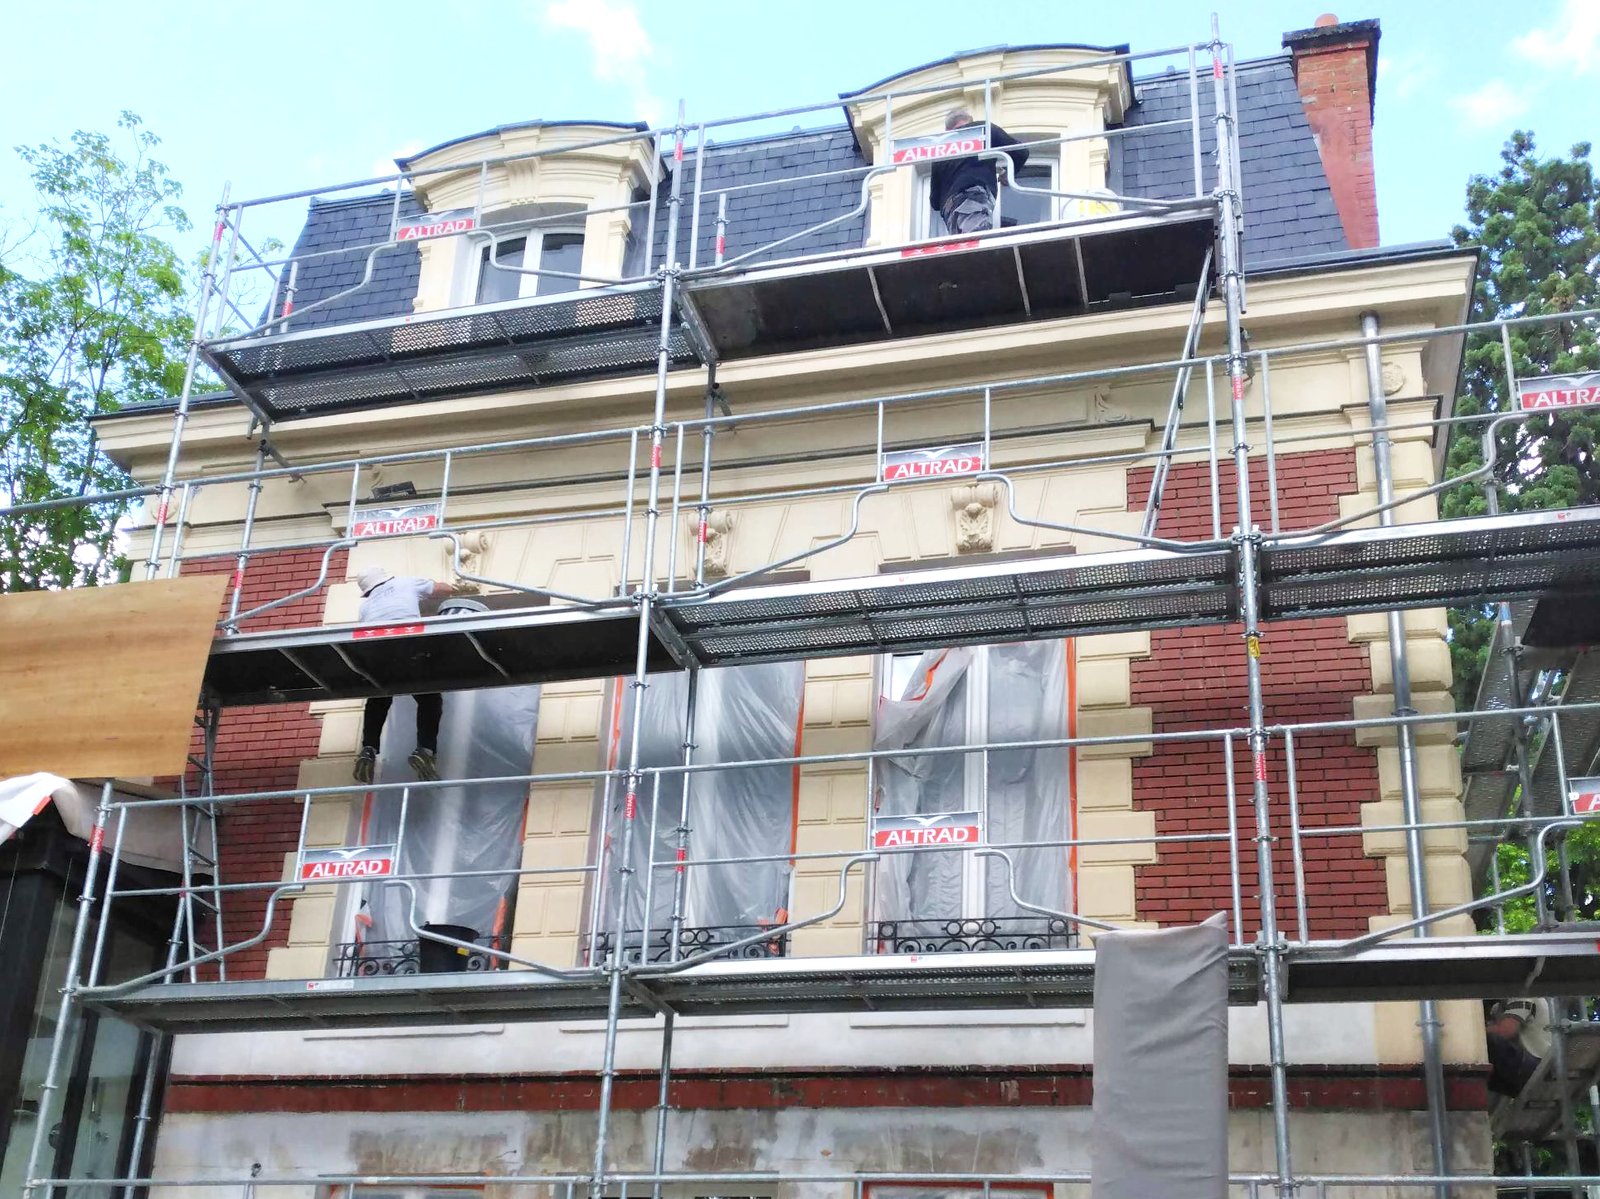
column 1289, row 210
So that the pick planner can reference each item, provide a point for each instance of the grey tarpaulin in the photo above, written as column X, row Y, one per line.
column 1021, row 795
column 1161, row 1063
column 742, row 713
column 484, row 734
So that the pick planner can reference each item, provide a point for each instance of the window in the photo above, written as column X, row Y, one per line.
column 745, row 713
column 926, row 898
column 549, row 250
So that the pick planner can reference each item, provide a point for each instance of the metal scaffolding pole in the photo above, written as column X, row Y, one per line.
column 69, row 995
column 1410, row 789
column 1271, row 945
column 208, row 283
column 617, row 963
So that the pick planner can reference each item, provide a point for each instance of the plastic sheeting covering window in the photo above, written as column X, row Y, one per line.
column 742, row 713
column 966, row 696
column 484, row 734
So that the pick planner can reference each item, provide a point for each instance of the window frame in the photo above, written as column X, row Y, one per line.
column 476, row 269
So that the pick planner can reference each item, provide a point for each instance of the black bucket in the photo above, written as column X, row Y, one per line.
column 435, row 957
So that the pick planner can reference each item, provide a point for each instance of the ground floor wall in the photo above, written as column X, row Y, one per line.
column 919, row 1122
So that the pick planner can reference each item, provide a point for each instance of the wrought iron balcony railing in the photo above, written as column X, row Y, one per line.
column 368, row 959
column 987, row 934
column 692, row 939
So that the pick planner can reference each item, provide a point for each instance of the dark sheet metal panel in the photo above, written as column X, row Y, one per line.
column 539, row 646
column 1564, row 963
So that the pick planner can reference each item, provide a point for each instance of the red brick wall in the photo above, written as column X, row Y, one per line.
column 1195, row 678
column 1335, row 88
column 260, row 749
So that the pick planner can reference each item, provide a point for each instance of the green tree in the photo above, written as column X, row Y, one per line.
column 92, row 318
column 1535, row 220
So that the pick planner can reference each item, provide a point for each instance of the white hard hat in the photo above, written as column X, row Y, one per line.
column 371, row 577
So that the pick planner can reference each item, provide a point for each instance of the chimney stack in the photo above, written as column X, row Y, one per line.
column 1336, row 71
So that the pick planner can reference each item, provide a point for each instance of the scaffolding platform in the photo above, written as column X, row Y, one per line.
column 462, row 351
column 1536, row 1112
column 440, row 653
column 1527, row 555
column 1008, row 278
column 1000, row 279
column 896, row 982
column 1486, row 967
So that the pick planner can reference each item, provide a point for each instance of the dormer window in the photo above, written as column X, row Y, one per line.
column 1016, row 207
column 547, row 250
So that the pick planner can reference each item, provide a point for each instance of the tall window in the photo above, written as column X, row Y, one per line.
column 743, row 714
column 930, row 897
column 547, row 250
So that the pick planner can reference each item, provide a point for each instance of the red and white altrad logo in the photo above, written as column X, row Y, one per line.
column 434, row 224
column 953, row 143
column 1558, row 391
column 1585, row 795
column 387, row 522
column 945, row 828
column 935, row 463
column 356, row 861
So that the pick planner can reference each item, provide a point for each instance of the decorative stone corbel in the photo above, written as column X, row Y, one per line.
column 719, row 542
column 1106, row 410
column 474, row 551
column 1394, row 378
column 974, row 508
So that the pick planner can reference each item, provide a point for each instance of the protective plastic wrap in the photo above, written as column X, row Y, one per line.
column 484, row 734
column 1022, row 795
column 742, row 714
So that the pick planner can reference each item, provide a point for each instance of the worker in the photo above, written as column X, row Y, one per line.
column 388, row 600
column 1519, row 1038
column 963, row 189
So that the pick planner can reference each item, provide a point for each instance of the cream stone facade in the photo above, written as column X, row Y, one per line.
column 1318, row 399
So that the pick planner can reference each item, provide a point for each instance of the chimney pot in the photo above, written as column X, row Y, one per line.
column 1326, row 19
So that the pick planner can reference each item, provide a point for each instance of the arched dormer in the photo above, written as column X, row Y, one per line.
column 1055, row 102
column 543, row 209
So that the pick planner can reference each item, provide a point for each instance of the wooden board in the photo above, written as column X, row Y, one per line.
column 103, row 681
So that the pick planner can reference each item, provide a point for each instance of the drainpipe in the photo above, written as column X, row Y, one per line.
column 1410, row 790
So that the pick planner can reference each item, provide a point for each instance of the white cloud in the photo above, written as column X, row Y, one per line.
column 619, row 47
column 1404, row 75
column 386, row 166
column 1495, row 104
column 1570, row 43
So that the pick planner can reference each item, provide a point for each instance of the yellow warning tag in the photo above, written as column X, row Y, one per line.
column 1252, row 645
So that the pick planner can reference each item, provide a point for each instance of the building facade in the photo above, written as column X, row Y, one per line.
column 1135, row 813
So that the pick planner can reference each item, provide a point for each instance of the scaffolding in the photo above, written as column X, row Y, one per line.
column 679, row 311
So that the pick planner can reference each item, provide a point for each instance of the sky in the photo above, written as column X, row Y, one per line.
column 293, row 94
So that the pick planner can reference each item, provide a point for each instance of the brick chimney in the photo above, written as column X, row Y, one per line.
column 1336, row 70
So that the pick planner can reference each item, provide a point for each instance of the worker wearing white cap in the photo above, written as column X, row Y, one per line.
column 388, row 600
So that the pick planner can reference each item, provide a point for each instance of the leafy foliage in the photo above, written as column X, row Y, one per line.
column 1535, row 220
column 92, row 317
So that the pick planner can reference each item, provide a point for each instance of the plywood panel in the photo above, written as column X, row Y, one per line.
column 103, row 681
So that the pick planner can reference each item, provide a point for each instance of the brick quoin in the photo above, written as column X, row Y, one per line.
column 1195, row 678
column 260, row 749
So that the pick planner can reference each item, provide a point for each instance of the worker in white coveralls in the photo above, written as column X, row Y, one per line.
column 386, row 599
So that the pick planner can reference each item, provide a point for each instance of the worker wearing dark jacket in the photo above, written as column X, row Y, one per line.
column 963, row 189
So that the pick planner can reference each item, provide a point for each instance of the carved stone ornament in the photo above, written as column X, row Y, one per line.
column 719, row 542
column 1106, row 410
column 974, row 508
column 473, row 548
column 1394, row 378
